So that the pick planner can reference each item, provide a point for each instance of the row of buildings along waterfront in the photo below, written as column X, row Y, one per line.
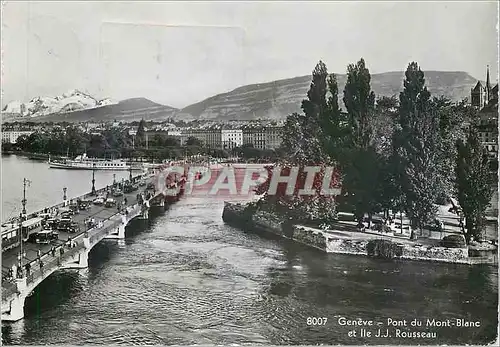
column 229, row 136
column 267, row 135
column 261, row 135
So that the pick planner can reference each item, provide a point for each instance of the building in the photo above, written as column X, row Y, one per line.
column 486, row 99
column 273, row 136
column 482, row 95
column 263, row 136
column 231, row 137
column 254, row 134
column 11, row 136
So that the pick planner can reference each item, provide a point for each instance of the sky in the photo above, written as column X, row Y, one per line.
column 179, row 53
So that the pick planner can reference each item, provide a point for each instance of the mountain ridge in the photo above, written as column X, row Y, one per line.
column 272, row 100
column 276, row 99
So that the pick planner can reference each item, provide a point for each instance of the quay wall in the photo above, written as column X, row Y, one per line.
column 237, row 216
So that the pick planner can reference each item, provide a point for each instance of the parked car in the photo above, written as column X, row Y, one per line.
column 44, row 237
column 66, row 211
column 110, row 203
column 83, row 205
column 49, row 223
column 99, row 201
column 435, row 225
column 66, row 215
column 398, row 230
column 377, row 223
column 117, row 192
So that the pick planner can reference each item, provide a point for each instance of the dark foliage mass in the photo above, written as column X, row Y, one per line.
column 401, row 154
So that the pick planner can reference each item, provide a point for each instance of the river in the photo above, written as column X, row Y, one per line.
column 187, row 278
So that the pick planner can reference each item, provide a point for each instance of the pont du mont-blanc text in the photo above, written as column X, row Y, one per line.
column 457, row 322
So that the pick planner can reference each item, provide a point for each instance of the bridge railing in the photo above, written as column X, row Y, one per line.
column 50, row 264
column 8, row 289
column 104, row 230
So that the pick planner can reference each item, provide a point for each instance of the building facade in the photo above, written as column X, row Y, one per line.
column 486, row 100
column 481, row 95
column 11, row 136
column 231, row 138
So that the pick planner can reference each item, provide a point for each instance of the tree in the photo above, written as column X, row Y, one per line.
column 416, row 145
column 452, row 117
column 141, row 133
column 473, row 184
column 360, row 162
column 359, row 101
column 333, row 123
column 382, row 124
column 314, row 108
column 193, row 141
column 304, row 144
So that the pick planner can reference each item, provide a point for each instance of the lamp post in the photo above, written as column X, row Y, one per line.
column 93, row 179
column 25, row 183
column 21, row 255
column 130, row 171
column 114, row 180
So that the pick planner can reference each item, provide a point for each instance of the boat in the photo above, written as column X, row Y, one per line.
column 82, row 162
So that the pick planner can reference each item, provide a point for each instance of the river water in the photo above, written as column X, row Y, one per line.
column 187, row 278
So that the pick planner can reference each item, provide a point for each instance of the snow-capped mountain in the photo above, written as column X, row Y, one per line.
column 73, row 100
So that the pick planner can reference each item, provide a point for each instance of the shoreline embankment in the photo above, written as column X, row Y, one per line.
column 352, row 243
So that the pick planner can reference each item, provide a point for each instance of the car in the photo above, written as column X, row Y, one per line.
column 49, row 223
column 110, row 203
column 377, row 223
column 117, row 193
column 67, row 211
column 435, row 225
column 83, row 205
column 44, row 237
column 66, row 215
column 98, row 201
column 404, row 230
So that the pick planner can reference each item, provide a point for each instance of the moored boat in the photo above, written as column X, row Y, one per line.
column 82, row 162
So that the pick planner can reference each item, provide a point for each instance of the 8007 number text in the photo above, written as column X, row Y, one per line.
column 316, row 320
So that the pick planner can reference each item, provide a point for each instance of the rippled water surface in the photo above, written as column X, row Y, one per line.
column 187, row 278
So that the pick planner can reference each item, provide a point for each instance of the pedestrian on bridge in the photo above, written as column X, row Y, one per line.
column 53, row 251
column 19, row 272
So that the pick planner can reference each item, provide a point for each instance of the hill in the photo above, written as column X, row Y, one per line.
column 275, row 100
column 126, row 110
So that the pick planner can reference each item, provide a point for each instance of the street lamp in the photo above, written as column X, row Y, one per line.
column 64, row 192
column 114, row 180
column 93, row 179
column 25, row 182
column 130, row 171
column 21, row 255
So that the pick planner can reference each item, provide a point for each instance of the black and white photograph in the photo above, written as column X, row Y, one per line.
column 249, row 173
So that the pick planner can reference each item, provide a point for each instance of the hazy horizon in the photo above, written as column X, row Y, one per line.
column 178, row 54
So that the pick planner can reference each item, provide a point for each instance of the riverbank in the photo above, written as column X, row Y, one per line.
column 346, row 241
column 35, row 156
